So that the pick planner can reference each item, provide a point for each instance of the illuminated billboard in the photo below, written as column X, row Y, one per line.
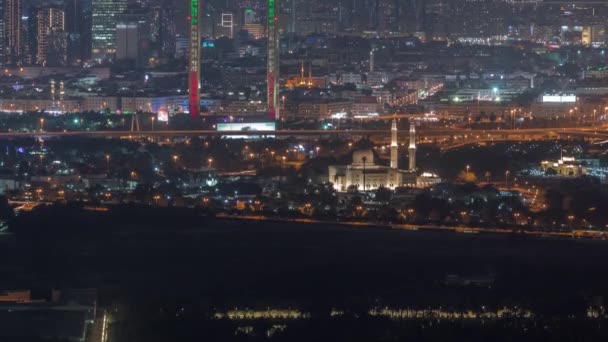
column 559, row 98
column 246, row 127
column 163, row 115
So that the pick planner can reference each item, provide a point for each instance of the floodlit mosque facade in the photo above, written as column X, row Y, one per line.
column 365, row 175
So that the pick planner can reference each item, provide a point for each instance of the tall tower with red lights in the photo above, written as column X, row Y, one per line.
column 273, row 59
column 194, row 64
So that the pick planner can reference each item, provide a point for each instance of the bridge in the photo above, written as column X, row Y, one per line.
column 492, row 136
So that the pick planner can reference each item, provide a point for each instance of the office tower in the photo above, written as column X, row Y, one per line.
column 2, row 33
column 136, row 30
column 293, row 23
column 166, row 31
column 51, row 38
column 411, row 15
column 127, row 40
column 273, row 59
column 12, row 21
column 105, row 14
column 194, row 60
column 420, row 10
column 27, row 58
column 77, row 26
column 371, row 8
column 388, row 15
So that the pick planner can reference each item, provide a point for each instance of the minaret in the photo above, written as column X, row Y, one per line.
column 394, row 146
column 302, row 82
column 412, row 147
column 309, row 84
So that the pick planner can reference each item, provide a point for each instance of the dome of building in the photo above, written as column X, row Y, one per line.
column 363, row 156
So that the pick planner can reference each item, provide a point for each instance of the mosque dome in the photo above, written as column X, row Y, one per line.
column 363, row 156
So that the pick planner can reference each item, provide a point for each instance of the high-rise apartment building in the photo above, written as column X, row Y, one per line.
column 51, row 37
column 12, row 23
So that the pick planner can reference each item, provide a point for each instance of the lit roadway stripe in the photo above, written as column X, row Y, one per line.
column 483, row 134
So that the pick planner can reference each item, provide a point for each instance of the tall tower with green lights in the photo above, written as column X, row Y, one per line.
column 194, row 62
column 273, row 59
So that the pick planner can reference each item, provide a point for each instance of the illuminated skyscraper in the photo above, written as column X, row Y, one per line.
column 14, row 48
column 273, row 59
column 194, row 60
column 165, row 30
column 2, row 34
column 51, row 36
column 105, row 17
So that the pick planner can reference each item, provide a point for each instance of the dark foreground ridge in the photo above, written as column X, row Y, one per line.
column 166, row 269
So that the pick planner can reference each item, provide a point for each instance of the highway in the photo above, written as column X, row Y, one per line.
column 524, row 231
column 506, row 134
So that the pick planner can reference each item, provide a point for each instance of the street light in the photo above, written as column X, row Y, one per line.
column 41, row 124
column 153, row 118
column 107, row 163
column 570, row 219
column 209, row 162
column 507, row 179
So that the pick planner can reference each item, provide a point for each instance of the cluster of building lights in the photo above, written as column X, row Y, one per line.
column 391, row 313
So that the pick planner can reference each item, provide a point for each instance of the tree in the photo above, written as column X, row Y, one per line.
column 6, row 211
column 550, row 172
column 388, row 214
column 554, row 199
column 383, row 194
column 467, row 177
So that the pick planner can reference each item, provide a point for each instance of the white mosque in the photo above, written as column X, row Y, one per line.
column 365, row 175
